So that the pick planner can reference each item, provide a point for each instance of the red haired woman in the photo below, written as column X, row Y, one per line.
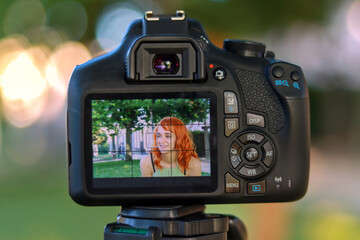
column 174, row 153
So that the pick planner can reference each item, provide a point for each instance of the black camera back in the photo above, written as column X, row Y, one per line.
column 168, row 118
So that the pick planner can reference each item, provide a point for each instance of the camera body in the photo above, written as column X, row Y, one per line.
column 246, row 113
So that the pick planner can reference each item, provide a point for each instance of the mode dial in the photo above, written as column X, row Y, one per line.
column 245, row 48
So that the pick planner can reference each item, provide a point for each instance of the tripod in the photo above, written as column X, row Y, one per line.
column 174, row 223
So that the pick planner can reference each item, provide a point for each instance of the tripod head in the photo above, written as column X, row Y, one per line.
column 173, row 222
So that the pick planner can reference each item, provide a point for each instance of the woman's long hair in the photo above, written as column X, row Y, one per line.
column 184, row 144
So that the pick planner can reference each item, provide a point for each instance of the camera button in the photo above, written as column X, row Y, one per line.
column 255, row 120
column 251, row 154
column 269, row 154
column 235, row 150
column 232, row 184
column 278, row 72
column 231, row 103
column 251, row 137
column 295, row 76
column 251, row 171
column 231, row 125
column 219, row 74
column 257, row 187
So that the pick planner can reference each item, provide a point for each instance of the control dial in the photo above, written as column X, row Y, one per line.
column 245, row 48
column 252, row 154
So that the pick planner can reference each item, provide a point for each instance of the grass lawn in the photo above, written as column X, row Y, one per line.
column 116, row 169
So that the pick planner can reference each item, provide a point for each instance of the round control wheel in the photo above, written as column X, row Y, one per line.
column 245, row 48
column 252, row 155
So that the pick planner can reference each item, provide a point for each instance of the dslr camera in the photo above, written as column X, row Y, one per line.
column 169, row 118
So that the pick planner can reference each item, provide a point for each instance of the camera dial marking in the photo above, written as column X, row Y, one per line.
column 235, row 150
column 203, row 38
column 296, row 85
column 278, row 179
column 230, row 103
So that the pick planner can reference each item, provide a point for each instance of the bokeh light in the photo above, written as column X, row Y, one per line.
column 23, row 15
column 11, row 44
column 69, row 18
column 328, row 219
column 326, row 51
column 114, row 22
column 58, row 72
column 353, row 20
column 22, row 81
column 22, row 87
column 34, row 79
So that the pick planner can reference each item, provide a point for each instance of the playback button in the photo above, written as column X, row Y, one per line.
column 257, row 187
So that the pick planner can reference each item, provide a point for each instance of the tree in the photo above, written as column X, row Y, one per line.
column 134, row 114
column 115, row 115
column 188, row 110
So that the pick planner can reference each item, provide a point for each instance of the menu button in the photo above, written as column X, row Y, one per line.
column 232, row 184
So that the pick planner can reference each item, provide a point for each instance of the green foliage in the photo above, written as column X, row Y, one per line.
column 99, row 137
column 118, row 114
column 103, row 148
column 133, row 114
column 188, row 110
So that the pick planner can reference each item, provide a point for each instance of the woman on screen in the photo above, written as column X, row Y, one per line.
column 174, row 152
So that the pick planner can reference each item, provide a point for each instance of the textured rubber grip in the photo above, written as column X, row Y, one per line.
column 260, row 97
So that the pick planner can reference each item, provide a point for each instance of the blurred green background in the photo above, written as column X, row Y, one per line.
column 42, row 40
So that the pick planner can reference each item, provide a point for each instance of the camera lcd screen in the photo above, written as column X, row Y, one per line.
column 151, row 142
column 157, row 137
column 151, row 137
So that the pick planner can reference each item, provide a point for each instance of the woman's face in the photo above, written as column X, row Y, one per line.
column 165, row 140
